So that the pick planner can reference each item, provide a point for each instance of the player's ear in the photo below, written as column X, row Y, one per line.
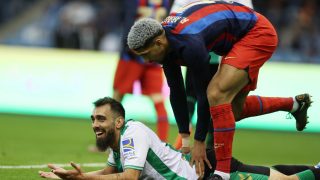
column 119, row 122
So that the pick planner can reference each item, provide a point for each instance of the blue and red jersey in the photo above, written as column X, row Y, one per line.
column 135, row 9
column 193, row 32
column 216, row 24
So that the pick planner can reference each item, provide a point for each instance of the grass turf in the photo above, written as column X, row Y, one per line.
column 34, row 140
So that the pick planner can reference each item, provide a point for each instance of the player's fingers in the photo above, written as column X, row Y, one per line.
column 52, row 166
column 199, row 164
column 60, row 172
column 76, row 167
column 202, row 166
column 208, row 163
column 48, row 175
column 42, row 174
column 191, row 161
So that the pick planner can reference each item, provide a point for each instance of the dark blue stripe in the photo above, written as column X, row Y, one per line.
column 201, row 24
column 224, row 129
column 261, row 104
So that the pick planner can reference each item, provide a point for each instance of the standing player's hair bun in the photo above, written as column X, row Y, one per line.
column 142, row 32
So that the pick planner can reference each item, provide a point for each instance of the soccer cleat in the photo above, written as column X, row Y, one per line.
column 300, row 114
column 317, row 166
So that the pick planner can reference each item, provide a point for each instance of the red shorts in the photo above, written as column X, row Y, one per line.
column 150, row 77
column 253, row 50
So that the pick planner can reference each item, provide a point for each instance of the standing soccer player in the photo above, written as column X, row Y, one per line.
column 191, row 96
column 131, row 67
column 245, row 39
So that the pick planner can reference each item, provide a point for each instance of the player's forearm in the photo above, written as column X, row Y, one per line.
column 203, row 121
column 181, row 115
column 95, row 173
column 105, row 171
column 178, row 98
column 116, row 176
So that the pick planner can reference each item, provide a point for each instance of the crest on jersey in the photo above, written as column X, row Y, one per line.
column 128, row 148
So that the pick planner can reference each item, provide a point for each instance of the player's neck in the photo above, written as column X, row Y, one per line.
column 116, row 145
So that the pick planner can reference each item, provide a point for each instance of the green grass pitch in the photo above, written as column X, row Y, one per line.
column 34, row 140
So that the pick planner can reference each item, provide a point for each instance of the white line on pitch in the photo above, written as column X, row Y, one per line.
column 45, row 166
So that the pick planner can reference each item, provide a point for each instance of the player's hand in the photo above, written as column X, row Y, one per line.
column 74, row 174
column 185, row 150
column 199, row 157
column 51, row 175
column 48, row 175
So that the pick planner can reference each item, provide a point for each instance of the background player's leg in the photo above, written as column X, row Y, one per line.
column 152, row 83
column 162, row 117
column 117, row 95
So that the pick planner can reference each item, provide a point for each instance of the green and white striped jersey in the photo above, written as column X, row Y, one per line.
column 141, row 149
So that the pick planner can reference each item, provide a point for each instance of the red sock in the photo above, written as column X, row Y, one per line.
column 162, row 121
column 224, row 126
column 256, row 105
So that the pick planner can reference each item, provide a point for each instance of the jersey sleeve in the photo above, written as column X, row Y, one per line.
column 178, row 97
column 134, row 146
column 111, row 161
column 197, row 59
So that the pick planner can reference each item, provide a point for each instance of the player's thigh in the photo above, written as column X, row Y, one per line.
column 127, row 73
column 152, row 80
column 226, row 83
column 253, row 50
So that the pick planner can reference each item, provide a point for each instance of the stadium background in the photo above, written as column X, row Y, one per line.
column 50, row 74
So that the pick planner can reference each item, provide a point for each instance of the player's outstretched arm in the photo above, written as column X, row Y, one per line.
column 127, row 174
column 60, row 173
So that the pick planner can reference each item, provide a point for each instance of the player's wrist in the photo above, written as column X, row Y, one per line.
column 185, row 142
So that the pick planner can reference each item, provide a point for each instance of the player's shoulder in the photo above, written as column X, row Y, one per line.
column 132, row 126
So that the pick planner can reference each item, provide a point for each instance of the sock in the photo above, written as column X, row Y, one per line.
column 223, row 175
column 224, row 126
column 162, row 122
column 307, row 175
column 295, row 105
column 256, row 105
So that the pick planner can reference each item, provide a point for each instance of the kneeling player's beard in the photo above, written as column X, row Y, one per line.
column 103, row 143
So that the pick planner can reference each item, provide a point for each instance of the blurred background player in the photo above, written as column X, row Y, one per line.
column 131, row 68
